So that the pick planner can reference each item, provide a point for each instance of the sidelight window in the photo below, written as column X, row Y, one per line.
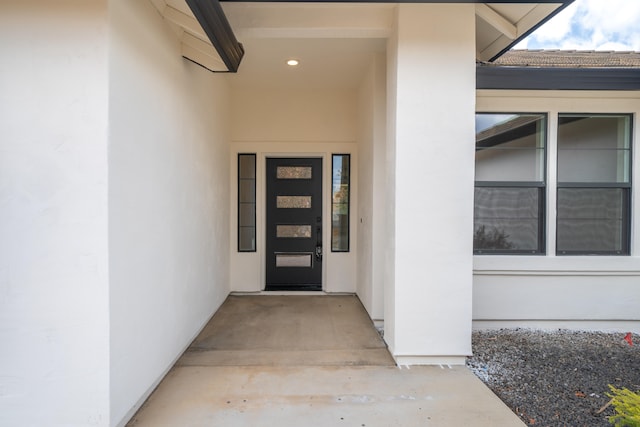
column 340, row 203
column 246, row 202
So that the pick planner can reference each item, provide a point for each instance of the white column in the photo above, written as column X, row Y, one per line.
column 431, row 83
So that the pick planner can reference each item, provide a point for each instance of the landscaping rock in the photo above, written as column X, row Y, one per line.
column 556, row 378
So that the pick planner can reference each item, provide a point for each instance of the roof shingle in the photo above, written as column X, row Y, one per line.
column 568, row 59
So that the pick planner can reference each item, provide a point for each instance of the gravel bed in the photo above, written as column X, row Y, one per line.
column 556, row 378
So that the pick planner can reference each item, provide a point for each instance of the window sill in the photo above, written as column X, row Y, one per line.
column 556, row 265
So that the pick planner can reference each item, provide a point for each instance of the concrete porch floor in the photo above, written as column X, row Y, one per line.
column 310, row 361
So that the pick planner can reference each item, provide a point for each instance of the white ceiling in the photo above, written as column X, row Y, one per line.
column 334, row 42
column 323, row 63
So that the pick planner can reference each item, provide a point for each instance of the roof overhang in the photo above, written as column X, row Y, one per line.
column 502, row 24
column 205, row 34
column 208, row 39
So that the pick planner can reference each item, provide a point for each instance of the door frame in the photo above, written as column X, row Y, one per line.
column 247, row 270
column 261, row 168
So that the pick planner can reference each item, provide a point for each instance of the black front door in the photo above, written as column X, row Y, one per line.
column 294, row 224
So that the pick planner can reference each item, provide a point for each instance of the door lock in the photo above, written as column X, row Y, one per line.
column 319, row 242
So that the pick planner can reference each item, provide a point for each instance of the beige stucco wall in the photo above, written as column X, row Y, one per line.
column 54, row 298
column 168, row 211
column 114, row 225
column 371, row 214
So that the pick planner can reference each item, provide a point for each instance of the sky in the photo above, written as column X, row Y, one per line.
column 590, row 25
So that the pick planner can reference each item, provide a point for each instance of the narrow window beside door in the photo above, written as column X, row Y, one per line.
column 246, row 202
column 340, row 203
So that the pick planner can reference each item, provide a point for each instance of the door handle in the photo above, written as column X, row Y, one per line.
column 319, row 243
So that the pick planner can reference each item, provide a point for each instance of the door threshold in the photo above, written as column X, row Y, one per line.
column 282, row 293
column 294, row 288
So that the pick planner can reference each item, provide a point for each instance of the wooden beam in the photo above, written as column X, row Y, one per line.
column 202, row 53
column 211, row 17
column 188, row 23
column 497, row 21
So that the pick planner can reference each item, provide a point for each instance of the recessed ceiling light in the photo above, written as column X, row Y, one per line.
column 292, row 62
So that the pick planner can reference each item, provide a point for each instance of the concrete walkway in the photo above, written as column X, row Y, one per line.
column 310, row 361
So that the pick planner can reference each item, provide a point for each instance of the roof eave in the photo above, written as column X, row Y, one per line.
column 565, row 4
column 539, row 78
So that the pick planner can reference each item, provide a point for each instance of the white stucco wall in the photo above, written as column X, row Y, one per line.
column 371, row 191
column 293, row 115
column 366, row 117
column 389, row 233
column 168, row 200
column 292, row 122
column 54, row 320
column 549, row 291
column 433, row 134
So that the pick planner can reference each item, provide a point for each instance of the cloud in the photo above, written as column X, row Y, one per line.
column 559, row 27
column 590, row 25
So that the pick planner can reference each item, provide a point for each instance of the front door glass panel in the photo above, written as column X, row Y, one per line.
column 293, row 260
column 293, row 202
column 293, row 231
column 294, row 172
